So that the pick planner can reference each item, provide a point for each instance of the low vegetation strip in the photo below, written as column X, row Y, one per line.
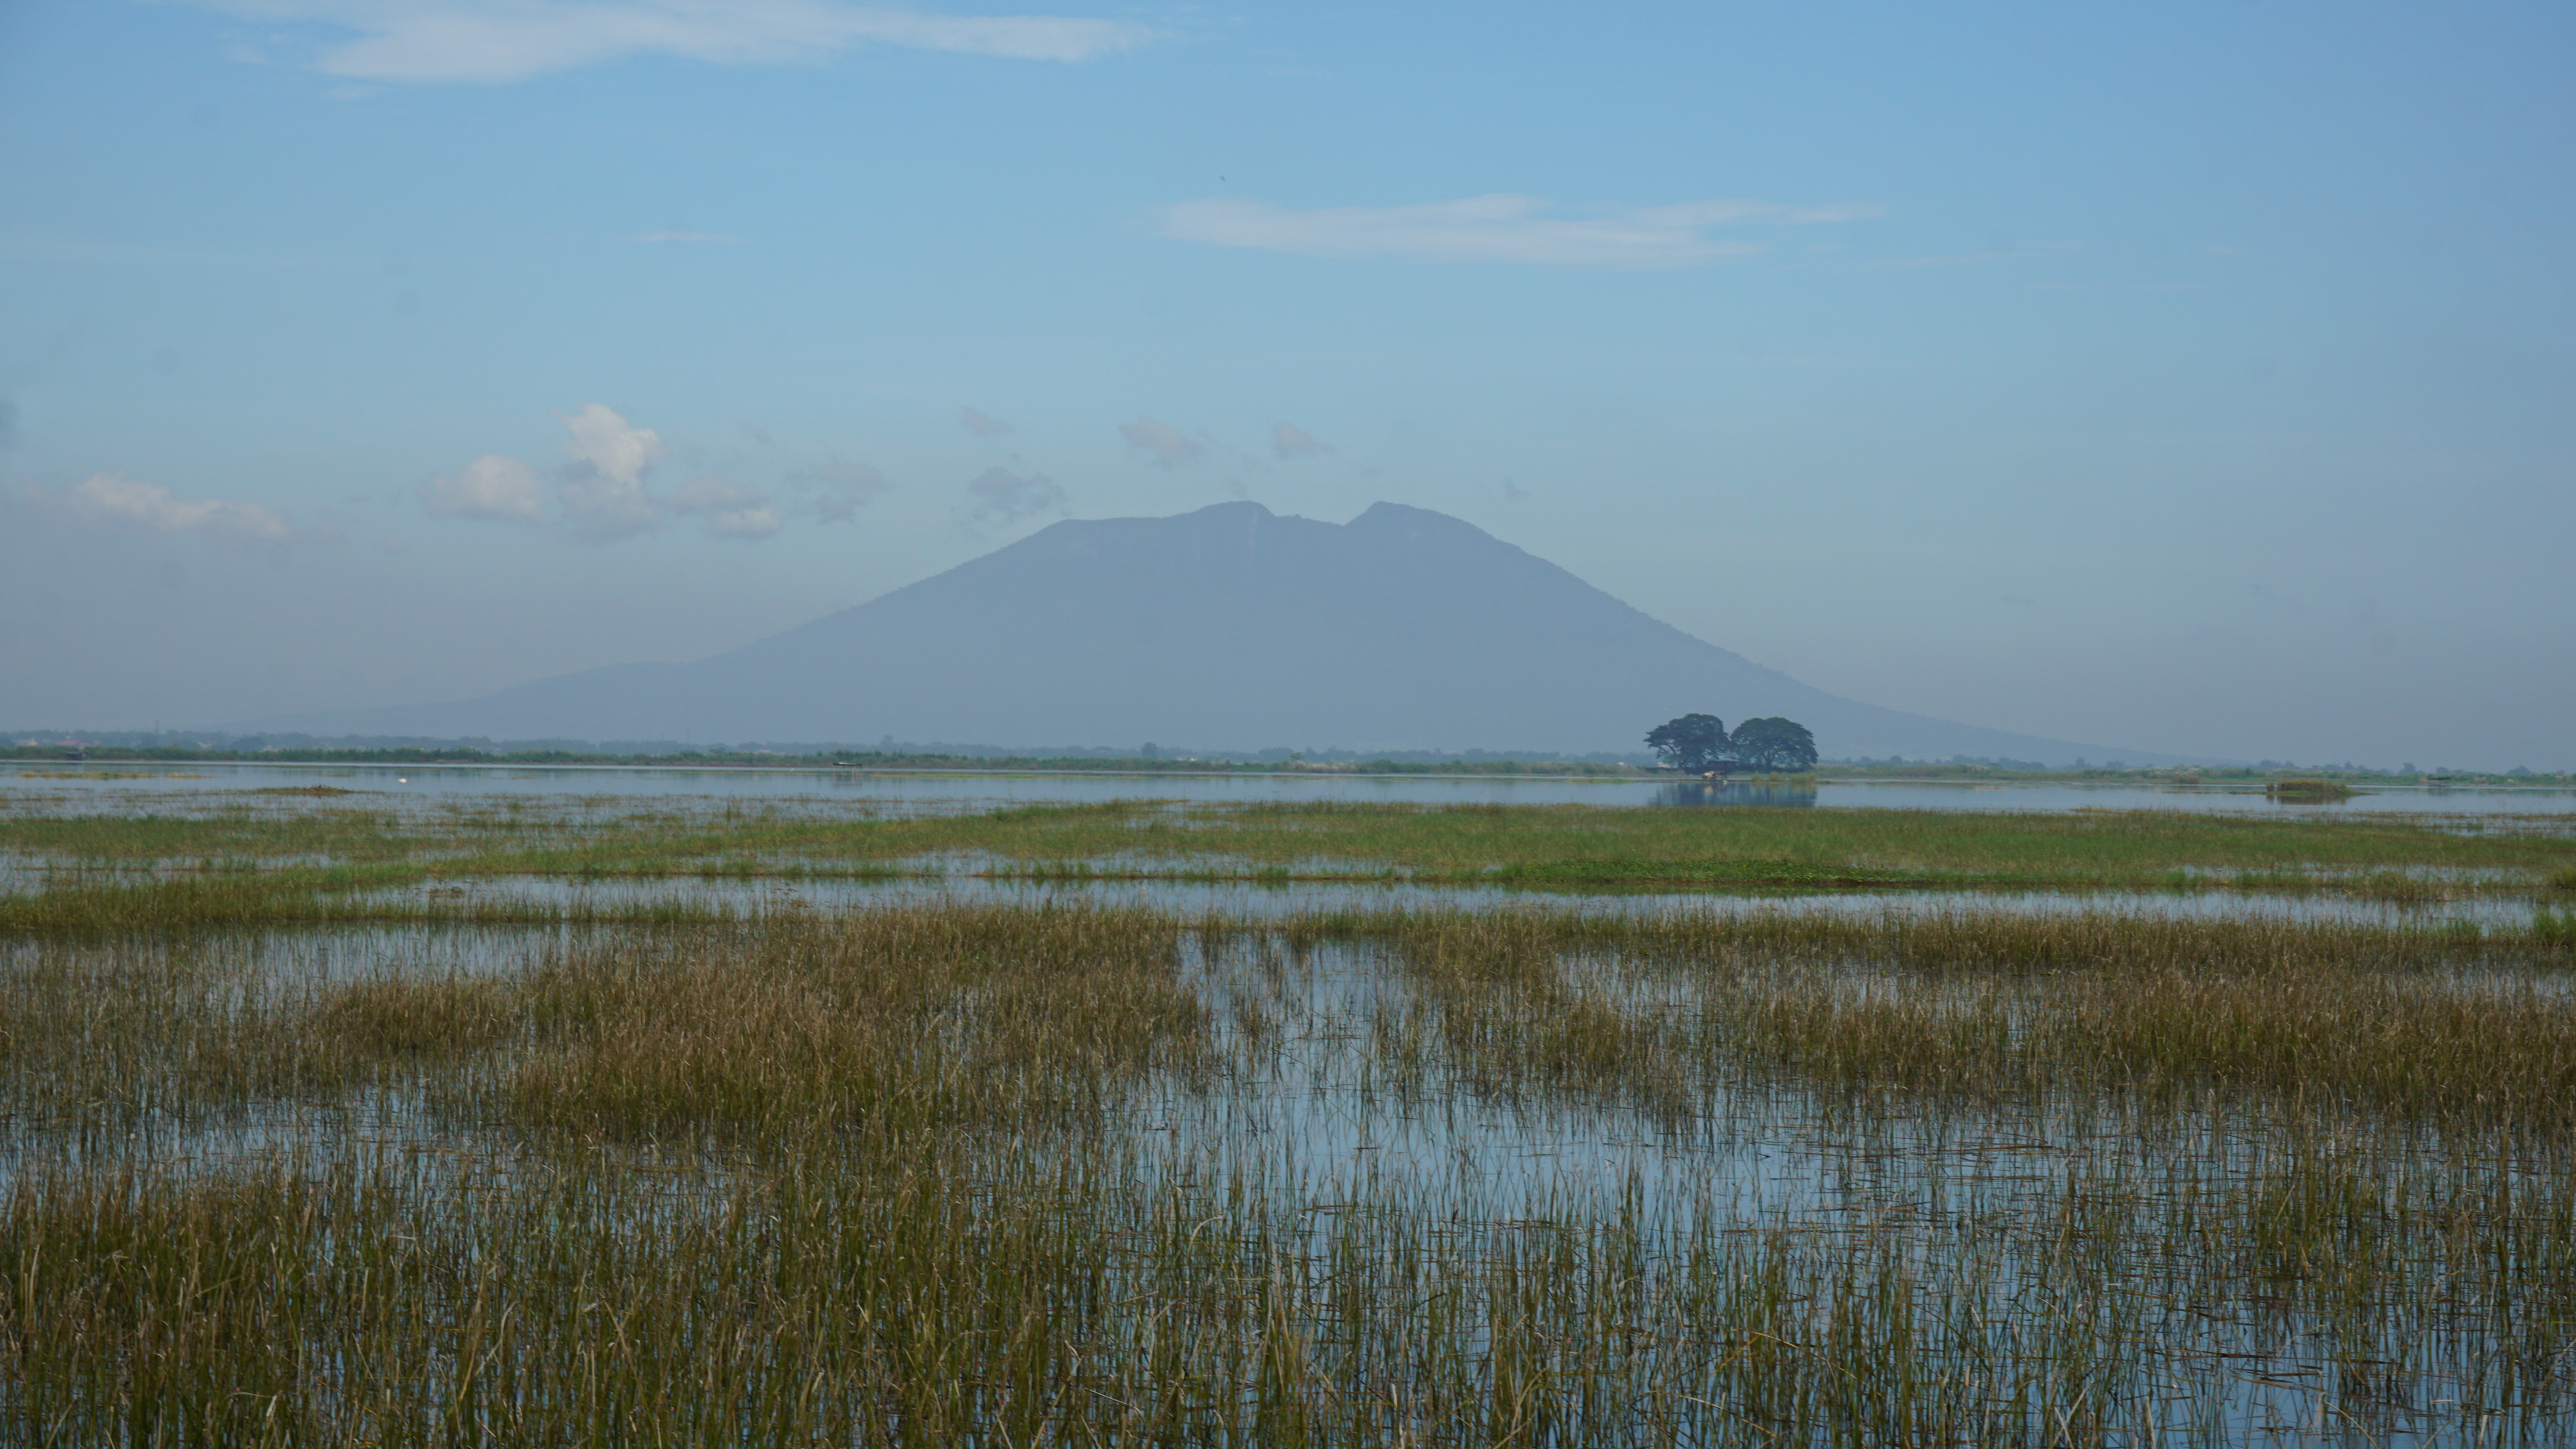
column 1535, row 846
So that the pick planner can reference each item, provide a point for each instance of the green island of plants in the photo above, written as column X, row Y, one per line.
column 207, row 856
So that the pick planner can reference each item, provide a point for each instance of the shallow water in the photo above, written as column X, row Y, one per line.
column 1325, row 1118
column 976, row 791
column 1319, row 1120
column 962, row 883
column 1250, row 901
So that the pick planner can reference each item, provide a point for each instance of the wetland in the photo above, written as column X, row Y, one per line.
column 615, row 1117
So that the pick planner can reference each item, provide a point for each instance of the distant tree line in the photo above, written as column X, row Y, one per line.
column 1699, row 743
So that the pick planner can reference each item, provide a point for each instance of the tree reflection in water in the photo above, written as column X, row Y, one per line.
column 1735, row 792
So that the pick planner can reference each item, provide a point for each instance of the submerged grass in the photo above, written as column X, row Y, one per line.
column 1020, row 1176
column 395, row 1301
column 2437, row 1025
column 906, row 1021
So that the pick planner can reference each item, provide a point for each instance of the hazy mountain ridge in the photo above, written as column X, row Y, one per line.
column 1227, row 628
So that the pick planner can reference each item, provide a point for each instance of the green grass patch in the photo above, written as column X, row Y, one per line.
column 1559, row 846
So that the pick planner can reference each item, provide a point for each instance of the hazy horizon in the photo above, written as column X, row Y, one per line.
column 2191, row 380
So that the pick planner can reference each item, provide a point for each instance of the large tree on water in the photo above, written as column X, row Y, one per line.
column 1694, row 742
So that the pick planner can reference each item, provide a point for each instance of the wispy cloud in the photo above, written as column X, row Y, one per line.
column 603, row 490
column 113, row 500
column 492, row 486
column 431, row 42
column 736, row 510
column 840, row 489
column 1498, row 228
column 1006, row 497
column 1290, row 441
column 980, row 425
column 1166, row 444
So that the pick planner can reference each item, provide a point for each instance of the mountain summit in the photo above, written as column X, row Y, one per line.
column 1228, row 628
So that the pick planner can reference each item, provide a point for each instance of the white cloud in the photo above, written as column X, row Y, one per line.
column 1289, row 441
column 736, row 510
column 980, row 425
column 1001, row 494
column 611, row 446
column 1166, row 443
column 492, row 486
column 429, row 42
column 114, row 500
column 1498, row 228
column 603, row 487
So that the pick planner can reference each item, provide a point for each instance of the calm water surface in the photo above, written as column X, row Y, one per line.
column 97, row 786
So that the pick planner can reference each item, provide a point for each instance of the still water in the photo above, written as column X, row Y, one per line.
column 94, row 786
column 1239, row 900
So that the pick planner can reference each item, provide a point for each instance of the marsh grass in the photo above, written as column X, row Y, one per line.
column 1014, row 1176
column 2430, row 1025
column 1535, row 847
column 100, row 903
column 2303, row 791
column 906, row 1021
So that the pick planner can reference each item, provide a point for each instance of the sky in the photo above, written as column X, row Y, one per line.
column 2192, row 377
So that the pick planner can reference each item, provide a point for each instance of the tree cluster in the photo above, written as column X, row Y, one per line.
column 1698, row 743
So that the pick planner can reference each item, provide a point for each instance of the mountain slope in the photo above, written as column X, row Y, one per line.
column 1227, row 628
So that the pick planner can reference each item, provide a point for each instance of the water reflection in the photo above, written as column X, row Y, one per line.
column 1732, row 792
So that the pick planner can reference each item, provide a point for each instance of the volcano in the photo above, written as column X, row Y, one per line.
column 1229, row 628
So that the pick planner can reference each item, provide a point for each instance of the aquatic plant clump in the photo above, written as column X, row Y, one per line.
column 2305, row 791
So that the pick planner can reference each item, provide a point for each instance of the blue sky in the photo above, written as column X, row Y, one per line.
column 2187, row 377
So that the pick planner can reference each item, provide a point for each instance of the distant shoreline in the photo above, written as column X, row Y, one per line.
column 873, row 763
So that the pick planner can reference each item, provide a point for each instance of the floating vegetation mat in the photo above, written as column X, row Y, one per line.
column 959, row 1173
